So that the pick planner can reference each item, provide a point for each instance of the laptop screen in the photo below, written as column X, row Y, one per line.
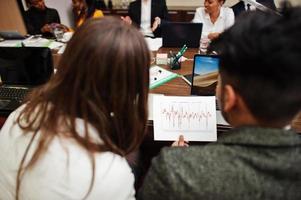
column 30, row 66
column 176, row 34
column 205, row 74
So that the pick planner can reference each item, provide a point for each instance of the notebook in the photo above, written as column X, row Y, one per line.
column 205, row 74
column 176, row 34
column 21, row 69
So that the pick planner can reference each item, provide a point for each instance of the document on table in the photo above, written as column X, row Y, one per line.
column 153, row 43
column 11, row 43
column 194, row 117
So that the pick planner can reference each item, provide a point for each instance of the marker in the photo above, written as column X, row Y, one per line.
column 180, row 53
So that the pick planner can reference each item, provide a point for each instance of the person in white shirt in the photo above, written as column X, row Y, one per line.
column 214, row 17
column 70, row 138
column 147, row 15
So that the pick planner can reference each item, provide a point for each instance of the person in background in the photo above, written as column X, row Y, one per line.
column 241, row 6
column 40, row 19
column 214, row 17
column 260, row 157
column 148, row 16
column 70, row 138
column 85, row 9
column 101, row 5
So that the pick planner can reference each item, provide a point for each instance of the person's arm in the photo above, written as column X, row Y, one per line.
column 230, row 18
column 165, row 15
column 158, row 184
column 29, row 26
column 56, row 17
column 197, row 16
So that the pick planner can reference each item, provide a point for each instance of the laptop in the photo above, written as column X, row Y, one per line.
column 176, row 34
column 204, row 75
column 22, row 69
column 11, row 35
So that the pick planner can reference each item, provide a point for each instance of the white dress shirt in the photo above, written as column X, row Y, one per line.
column 249, row 7
column 64, row 171
column 224, row 21
column 145, row 24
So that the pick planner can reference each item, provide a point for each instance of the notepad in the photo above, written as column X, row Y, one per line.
column 158, row 76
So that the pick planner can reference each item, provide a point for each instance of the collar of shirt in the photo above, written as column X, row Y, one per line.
column 251, row 6
column 221, row 15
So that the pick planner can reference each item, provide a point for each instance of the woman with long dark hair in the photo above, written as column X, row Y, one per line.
column 70, row 138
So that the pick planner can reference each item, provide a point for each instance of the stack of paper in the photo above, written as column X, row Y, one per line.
column 153, row 43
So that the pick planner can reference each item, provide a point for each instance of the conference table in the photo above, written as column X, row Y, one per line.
column 178, row 87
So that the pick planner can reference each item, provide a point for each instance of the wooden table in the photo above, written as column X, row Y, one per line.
column 177, row 86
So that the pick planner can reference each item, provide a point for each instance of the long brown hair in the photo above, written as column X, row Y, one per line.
column 102, row 78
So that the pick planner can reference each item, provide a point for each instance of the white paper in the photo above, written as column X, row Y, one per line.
column 220, row 119
column 153, row 43
column 62, row 49
column 55, row 45
column 193, row 117
column 10, row 43
column 36, row 42
column 150, row 104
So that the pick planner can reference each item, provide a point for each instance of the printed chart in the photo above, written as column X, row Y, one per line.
column 193, row 117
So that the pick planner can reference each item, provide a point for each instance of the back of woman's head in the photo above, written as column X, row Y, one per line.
column 103, row 79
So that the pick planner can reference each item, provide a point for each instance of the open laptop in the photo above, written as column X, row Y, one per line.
column 176, row 34
column 20, row 70
column 204, row 74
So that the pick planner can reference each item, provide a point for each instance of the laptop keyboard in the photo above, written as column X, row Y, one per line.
column 13, row 93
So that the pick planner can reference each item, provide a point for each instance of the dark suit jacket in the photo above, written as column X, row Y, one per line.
column 158, row 9
column 36, row 19
column 240, row 7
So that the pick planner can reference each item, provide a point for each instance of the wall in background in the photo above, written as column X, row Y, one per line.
column 64, row 6
column 10, row 17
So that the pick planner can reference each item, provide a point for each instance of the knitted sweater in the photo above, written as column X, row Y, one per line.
column 249, row 163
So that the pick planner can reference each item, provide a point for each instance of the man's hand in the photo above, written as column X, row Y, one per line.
column 180, row 143
column 46, row 28
column 212, row 36
column 156, row 23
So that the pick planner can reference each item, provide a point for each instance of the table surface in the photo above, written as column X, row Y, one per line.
column 177, row 86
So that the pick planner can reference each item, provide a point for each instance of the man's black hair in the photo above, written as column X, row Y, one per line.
column 260, row 56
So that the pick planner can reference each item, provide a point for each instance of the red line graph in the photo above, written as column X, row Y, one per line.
column 185, row 116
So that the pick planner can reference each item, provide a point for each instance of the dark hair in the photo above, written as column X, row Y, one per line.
column 260, row 57
column 103, row 78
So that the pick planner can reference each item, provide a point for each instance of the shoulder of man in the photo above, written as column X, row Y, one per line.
column 178, row 173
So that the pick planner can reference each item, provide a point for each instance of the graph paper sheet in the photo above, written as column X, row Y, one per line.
column 192, row 117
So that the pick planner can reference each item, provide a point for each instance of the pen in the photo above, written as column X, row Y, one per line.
column 186, row 80
column 180, row 53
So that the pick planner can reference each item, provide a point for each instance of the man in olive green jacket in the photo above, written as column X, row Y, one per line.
column 259, row 92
